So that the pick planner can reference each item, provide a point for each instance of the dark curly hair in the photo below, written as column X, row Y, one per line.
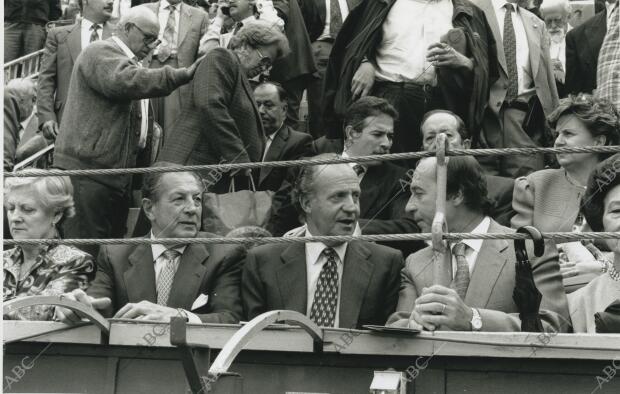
column 598, row 114
column 603, row 178
column 465, row 174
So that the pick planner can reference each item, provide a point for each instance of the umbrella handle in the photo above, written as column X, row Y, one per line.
column 519, row 244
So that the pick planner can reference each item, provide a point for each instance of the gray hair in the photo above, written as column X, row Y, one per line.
column 555, row 5
column 304, row 184
column 53, row 192
column 134, row 15
column 259, row 33
column 21, row 87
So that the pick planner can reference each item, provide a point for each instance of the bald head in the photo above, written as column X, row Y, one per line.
column 24, row 91
column 139, row 29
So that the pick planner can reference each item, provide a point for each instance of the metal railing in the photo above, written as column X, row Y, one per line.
column 25, row 66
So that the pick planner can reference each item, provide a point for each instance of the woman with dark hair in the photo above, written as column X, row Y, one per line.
column 35, row 208
column 549, row 199
column 601, row 208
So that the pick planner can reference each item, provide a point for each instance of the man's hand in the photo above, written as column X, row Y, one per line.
column 50, row 129
column 363, row 80
column 439, row 306
column 443, row 55
column 146, row 310
column 68, row 316
column 194, row 66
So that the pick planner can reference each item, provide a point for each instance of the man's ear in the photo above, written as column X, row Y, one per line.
column 147, row 206
column 466, row 143
column 457, row 198
column 350, row 133
column 304, row 201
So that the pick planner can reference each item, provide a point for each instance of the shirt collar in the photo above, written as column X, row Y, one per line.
column 498, row 5
column 272, row 136
column 345, row 155
column 124, row 48
column 481, row 228
column 248, row 19
column 315, row 249
column 158, row 249
column 164, row 3
column 86, row 24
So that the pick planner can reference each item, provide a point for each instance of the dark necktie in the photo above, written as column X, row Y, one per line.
column 510, row 51
column 335, row 22
column 238, row 27
column 460, row 283
column 166, row 275
column 325, row 303
column 359, row 169
column 94, row 36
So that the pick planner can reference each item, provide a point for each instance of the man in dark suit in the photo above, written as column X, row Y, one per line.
column 583, row 45
column 478, row 277
column 369, row 128
column 180, row 29
column 346, row 284
column 62, row 48
column 156, row 282
column 499, row 188
column 282, row 142
column 105, row 122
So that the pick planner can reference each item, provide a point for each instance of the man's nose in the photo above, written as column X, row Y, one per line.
column 351, row 205
column 411, row 207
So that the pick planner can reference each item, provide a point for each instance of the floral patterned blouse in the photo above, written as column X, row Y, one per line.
column 58, row 269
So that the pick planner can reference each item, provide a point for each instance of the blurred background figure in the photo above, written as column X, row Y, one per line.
column 24, row 25
column 35, row 208
column 19, row 98
column 555, row 14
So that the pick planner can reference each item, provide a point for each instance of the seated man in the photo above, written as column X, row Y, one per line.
column 346, row 284
column 483, row 272
column 153, row 282
column 499, row 188
column 282, row 142
column 369, row 128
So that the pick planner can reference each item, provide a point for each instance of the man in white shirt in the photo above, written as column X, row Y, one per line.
column 525, row 92
column 157, row 282
column 478, row 295
column 336, row 284
column 62, row 48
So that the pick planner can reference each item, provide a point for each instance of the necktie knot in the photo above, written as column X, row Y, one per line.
column 95, row 27
column 330, row 254
column 359, row 169
column 459, row 249
column 509, row 7
column 171, row 254
column 171, row 7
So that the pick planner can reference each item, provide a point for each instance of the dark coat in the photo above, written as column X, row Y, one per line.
column 221, row 121
column 31, row 11
column 288, row 144
column 583, row 45
column 315, row 12
column 466, row 94
column 274, row 277
column 126, row 273
column 12, row 126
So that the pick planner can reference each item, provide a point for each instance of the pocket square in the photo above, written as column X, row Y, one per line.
column 200, row 301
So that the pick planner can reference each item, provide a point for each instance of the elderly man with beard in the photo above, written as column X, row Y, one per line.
column 221, row 123
column 556, row 14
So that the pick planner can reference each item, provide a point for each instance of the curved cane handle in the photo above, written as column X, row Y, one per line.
column 537, row 238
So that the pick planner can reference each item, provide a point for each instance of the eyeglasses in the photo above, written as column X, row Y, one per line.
column 149, row 40
column 265, row 61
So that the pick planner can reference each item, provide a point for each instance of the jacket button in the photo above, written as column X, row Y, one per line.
column 498, row 104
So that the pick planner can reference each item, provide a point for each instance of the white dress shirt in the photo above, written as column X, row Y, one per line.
column 86, row 32
column 159, row 260
column 472, row 246
column 144, row 103
column 163, row 14
column 524, row 69
column 344, row 11
column 315, row 260
column 410, row 28
column 269, row 140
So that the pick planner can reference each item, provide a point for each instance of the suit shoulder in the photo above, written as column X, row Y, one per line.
column 269, row 250
column 300, row 136
column 116, row 253
column 382, row 249
column 544, row 176
column 194, row 11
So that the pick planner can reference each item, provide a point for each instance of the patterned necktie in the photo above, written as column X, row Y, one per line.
column 460, row 283
column 359, row 169
column 166, row 275
column 168, row 45
column 335, row 22
column 94, row 36
column 325, row 303
column 510, row 50
column 238, row 27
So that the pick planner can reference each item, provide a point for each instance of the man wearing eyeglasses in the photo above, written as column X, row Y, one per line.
column 105, row 123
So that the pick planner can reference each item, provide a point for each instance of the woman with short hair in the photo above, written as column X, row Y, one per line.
column 35, row 209
column 601, row 208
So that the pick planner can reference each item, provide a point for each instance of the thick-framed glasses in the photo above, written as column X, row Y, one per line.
column 265, row 61
column 150, row 40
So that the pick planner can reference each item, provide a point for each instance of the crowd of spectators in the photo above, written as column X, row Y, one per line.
column 130, row 83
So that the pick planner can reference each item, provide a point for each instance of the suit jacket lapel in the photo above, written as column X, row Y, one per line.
column 489, row 11
column 74, row 40
column 140, row 277
column 248, row 91
column 356, row 274
column 188, row 277
column 292, row 278
column 185, row 23
column 533, row 33
column 275, row 151
column 489, row 264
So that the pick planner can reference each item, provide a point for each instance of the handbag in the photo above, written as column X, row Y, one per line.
column 223, row 213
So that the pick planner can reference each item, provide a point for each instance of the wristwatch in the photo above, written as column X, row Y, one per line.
column 476, row 320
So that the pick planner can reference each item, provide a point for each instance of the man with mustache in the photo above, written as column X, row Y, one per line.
column 63, row 45
column 479, row 297
column 555, row 14
column 221, row 123
column 156, row 282
column 282, row 142
column 336, row 284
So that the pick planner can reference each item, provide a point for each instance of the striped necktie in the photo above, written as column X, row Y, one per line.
column 168, row 45
column 510, row 51
column 460, row 283
column 325, row 302
column 94, row 36
column 166, row 275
